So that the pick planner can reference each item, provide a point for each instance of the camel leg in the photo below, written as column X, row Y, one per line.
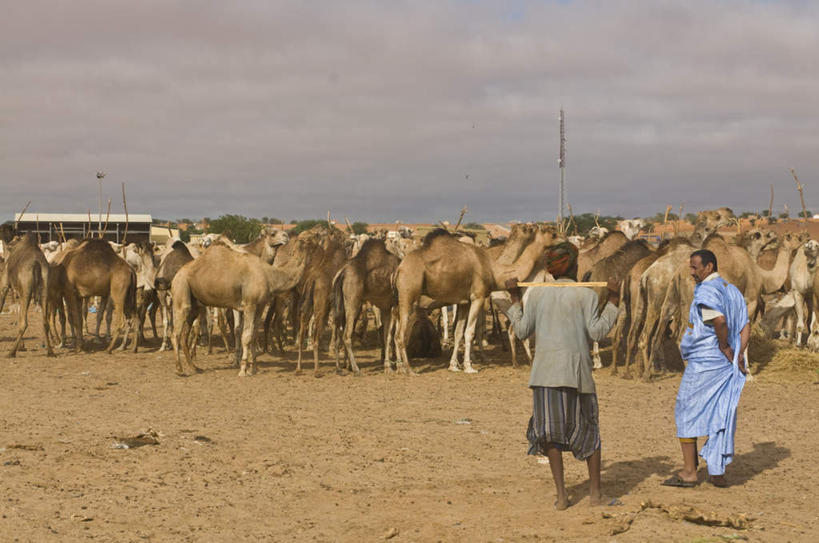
column 22, row 321
column 510, row 333
column 247, row 327
column 401, row 341
column 347, row 337
column 445, row 324
column 475, row 310
column 619, row 331
column 527, row 349
column 166, row 320
column 637, row 322
column 799, row 305
column 386, row 328
column 460, row 325
column 596, row 356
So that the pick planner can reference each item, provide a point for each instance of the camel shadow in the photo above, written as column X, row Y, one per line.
column 764, row 456
column 620, row 478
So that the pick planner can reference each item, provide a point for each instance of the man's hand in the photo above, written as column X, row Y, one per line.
column 613, row 287
column 729, row 354
column 741, row 363
column 513, row 288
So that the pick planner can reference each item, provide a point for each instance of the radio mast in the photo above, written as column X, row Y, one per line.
column 561, row 162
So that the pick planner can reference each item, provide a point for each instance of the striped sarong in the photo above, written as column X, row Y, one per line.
column 565, row 419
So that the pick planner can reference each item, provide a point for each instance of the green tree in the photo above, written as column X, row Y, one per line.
column 807, row 214
column 185, row 235
column 237, row 227
column 474, row 226
column 306, row 224
column 360, row 227
column 691, row 217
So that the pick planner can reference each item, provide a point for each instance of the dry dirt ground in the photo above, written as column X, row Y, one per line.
column 437, row 457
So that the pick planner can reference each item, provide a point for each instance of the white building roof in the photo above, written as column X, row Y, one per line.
column 80, row 217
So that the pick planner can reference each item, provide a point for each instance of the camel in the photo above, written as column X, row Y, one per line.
column 738, row 268
column 170, row 263
column 224, row 277
column 365, row 278
column 94, row 269
column 615, row 266
column 607, row 246
column 315, row 288
column 445, row 271
column 631, row 227
column 801, row 274
column 26, row 271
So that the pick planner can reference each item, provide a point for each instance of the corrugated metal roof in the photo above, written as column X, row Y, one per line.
column 80, row 217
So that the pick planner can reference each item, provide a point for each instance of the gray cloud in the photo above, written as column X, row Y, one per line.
column 380, row 110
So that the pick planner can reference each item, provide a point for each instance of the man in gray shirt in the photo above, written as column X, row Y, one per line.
column 564, row 321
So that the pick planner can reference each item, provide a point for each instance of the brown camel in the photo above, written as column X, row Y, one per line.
column 314, row 290
column 365, row 278
column 607, row 246
column 169, row 265
column 224, row 277
column 27, row 272
column 616, row 266
column 445, row 271
column 94, row 269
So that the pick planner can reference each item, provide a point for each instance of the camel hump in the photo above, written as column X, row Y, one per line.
column 438, row 233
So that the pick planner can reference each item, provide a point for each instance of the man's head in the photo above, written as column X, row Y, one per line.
column 561, row 260
column 702, row 263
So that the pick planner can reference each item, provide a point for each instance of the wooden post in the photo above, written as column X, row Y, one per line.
column 460, row 218
column 90, row 233
column 801, row 197
column 20, row 217
column 107, row 216
column 62, row 232
column 770, row 206
column 125, row 206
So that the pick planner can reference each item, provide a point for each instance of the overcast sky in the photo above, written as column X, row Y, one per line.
column 407, row 110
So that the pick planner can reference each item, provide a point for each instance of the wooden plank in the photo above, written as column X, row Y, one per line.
column 581, row 284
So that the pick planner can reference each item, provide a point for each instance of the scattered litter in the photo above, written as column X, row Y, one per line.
column 615, row 501
column 112, row 383
column 147, row 438
column 14, row 462
column 85, row 373
column 542, row 459
column 81, row 518
column 464, row 421
column 25, row 447
column 202, row 439
column 392, row 532
column 738, row 521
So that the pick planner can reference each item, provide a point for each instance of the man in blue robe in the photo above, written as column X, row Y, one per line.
column 713, row 345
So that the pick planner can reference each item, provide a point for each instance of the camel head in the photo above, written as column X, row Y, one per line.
column 811, row 248
column 140, row 256
column 757, row 240
column 716, row 217
column 631, row 227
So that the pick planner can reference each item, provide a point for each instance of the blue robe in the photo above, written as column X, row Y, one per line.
column 710, row 387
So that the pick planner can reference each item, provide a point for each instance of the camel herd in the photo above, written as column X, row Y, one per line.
column 282, row 287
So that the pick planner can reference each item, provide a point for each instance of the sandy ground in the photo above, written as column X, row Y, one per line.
column 438, row 457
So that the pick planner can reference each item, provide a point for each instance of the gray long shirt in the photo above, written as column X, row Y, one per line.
column 564, row 321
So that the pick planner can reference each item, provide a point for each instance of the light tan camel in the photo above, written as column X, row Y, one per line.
column 94, row 269
column 224, row 277
column 801, row 275
column 365, row 278
column 738, row 268
column 445, row 271
column 26, row 271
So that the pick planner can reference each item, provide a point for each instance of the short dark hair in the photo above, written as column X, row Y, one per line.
column 706, row 257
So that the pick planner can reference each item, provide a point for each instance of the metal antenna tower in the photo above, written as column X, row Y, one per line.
column 561, row 162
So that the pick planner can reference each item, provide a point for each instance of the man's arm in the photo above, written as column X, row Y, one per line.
column 721, row 329
column 744, row 337
column 598, row 326
column 522, row 321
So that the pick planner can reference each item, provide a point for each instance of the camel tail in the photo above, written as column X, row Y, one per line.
column 130, row 297
column 586, row 276
column 338, row 299
column 306, row 306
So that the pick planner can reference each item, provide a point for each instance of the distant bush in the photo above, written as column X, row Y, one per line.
column 237, row 227
column 474, row 226
column 306, row 224
column 360, row 227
